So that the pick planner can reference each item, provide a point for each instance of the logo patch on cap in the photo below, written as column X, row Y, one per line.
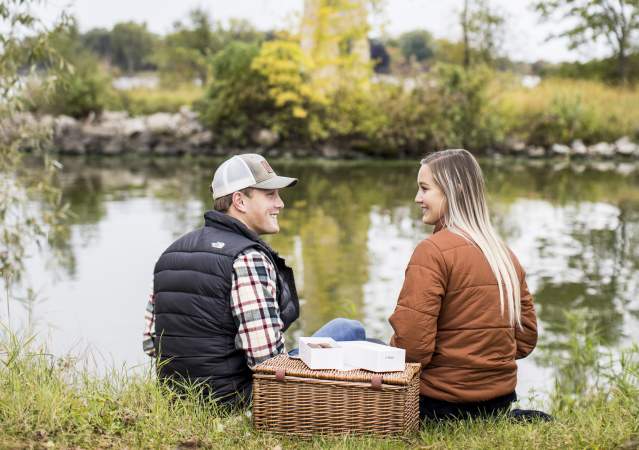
column 267, row 167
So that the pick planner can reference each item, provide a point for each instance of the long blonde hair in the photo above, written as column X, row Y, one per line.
column 458, row 175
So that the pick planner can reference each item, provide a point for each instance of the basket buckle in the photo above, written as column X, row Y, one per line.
column 280, row 374
column 376, row 382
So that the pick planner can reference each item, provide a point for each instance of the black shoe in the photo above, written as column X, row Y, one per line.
column 529, row 415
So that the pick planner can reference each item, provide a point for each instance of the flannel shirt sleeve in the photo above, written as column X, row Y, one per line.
column 254, row 307
column 149, row 327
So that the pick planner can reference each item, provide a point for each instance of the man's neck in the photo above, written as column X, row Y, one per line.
column 237, row 216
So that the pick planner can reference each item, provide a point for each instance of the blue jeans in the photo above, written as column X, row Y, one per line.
column 340, row 329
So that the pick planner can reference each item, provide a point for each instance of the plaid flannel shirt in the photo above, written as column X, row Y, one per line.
column 253, row 305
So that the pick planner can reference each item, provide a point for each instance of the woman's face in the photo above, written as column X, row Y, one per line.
column 429, row 197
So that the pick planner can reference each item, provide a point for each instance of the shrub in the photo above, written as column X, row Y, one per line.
column 255, row 88
column 466, row 112
column 383, row 120
column 85, row 89
column 144, row 101
column 237, row 99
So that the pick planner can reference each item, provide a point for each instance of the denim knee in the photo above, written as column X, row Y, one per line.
column 353, row 329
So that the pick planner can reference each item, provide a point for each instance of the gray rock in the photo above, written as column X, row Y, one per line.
column 71, row 143
column 187, row 113
column 266, row 138
column 100, row 130
column 603, row 149
column 535, row 151
column 186, row 128
column 133, row 126
column 63, row 124
column 560, row 150
column 329, row 151
column 142, row 142
column 167, row 147
column 626, row 147
column 201, row 139
column 113, row 116
column 162, row 122
column 514, row 146
column 114, row 146
column 579, row 148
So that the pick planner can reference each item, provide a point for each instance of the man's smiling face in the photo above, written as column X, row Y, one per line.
column 261, row 210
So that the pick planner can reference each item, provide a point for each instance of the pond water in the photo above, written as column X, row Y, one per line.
column 348, row 230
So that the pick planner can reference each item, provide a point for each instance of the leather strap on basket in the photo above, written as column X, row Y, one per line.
column 376, row 382
column 280, row 374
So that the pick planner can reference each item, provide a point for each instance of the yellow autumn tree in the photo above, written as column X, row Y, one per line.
column 296, row 103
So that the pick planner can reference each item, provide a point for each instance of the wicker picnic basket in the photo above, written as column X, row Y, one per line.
column 290, row 398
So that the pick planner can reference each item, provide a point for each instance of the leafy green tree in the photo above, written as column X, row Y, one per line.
column 84, row 90
column 615, row 22
column 416, row 44
column 265, row 87
column 483, row 32
column 464, row 106
column 30, row 205
column 185, row 53
column 237, row 97
column 132, row 45
column 98, row 41
column 449, row 52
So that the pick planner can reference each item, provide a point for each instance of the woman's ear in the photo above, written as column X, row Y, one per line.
column 238, row 201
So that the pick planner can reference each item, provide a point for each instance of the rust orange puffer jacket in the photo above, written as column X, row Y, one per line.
column 448, row 318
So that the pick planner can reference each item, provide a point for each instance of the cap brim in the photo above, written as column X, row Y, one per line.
column 276, row 183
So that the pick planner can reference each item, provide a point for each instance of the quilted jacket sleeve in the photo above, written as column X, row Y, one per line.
column 414, row 320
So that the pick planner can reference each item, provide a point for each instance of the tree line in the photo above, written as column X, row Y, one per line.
column 184, row 53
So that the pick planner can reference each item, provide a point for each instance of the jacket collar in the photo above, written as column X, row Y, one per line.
column 220, row 220
column 223, row 221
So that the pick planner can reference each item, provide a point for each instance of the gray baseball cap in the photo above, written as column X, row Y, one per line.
column 244, row 171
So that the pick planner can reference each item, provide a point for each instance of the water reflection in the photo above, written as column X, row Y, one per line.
column 348, row 230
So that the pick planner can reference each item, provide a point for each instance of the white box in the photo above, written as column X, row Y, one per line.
column 373, row 357
column 321, row 353
column 325, row 353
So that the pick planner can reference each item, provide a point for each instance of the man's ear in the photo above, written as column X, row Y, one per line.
column 238, row 201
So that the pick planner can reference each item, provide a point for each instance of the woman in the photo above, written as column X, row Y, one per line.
column 464, row 311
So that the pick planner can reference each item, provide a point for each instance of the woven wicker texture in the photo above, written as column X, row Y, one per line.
column 310, row 402
column 297, row 368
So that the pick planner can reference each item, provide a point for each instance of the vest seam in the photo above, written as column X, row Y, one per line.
column 189, row 270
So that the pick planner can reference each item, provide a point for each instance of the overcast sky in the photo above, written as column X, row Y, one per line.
column 526, row 36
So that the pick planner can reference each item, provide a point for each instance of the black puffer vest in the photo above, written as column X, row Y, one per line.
column 195, row 330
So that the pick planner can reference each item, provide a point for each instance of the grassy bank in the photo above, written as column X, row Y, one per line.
column 560, row 110
column 493, row 113
column 47, row 402
column 143, row 101
column 448, row 107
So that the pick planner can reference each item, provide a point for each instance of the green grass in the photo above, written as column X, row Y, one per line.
column 48, row 402
column 143, row 101
column 560, row 110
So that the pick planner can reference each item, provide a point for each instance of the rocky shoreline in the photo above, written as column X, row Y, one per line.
column 173, row 134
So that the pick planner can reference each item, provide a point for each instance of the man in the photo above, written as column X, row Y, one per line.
column 221, row 296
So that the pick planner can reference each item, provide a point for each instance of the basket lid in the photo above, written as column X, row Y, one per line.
column 297, row 368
